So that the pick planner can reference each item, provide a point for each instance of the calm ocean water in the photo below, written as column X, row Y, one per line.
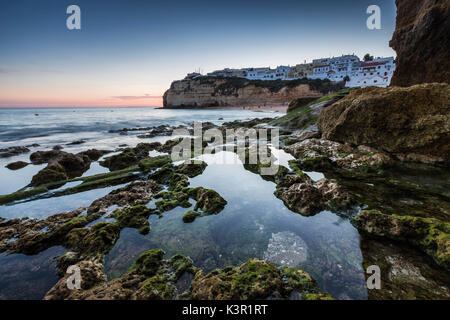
column 20, row 126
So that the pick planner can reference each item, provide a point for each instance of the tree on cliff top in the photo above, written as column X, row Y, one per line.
column 368, row 57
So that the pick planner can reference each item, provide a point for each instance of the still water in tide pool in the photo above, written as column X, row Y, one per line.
column 254, row 223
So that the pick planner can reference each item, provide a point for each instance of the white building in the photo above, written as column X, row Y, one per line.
column 346, row 67
column 376, row 73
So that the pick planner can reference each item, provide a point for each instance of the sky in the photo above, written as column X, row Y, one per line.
column 128, row 52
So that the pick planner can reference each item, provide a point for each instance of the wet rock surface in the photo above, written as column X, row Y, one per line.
column 13, row 151
column 376, row 117
column 17, row 165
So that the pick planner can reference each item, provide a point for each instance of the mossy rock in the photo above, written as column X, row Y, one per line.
column 428, row 234
column 134, row 217
column 255, row 279
column 191, row 168
column 190, row 216
column 98, row 239
column 153, row 163
column 208, row 200
column 47, row 175
column 148, row 263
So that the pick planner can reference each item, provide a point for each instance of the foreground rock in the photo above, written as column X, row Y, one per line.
column 17, row 165
column 152, row 278
column 421, row 41
column 406, row 274
column 428, row 234
column 256, row 279
column 412, row 122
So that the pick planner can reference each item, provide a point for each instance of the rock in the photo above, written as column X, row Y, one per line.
column 134, row 217
column 150, row 278
column 64, row 166
column 129, row 156
column 17, row 165
column 161, row 130
column 300, row 194
column 94, row 154
column 92, row 275
column 40, row 157
column 397, row 120
column 13, row 151
column 212, row 91
column 58, row 147
column 74, row 165
column 300, row 102
column 255, row 280
column 190, row 216
column 428, row 234
column 34, row 236
column 52, row 173
column 208, row 200
column 137, row 192
column 422, row 43
column 191, row 169
column 76, row 142
column 406, row 274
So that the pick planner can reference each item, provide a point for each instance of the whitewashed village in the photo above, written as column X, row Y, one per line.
column 349, row 68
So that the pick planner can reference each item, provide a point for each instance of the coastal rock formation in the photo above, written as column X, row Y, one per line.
column 153, row 278
column 421, row 41
column 409, row 121
column 256, row 279
column 209, row 92
column 428, row 234
column 17, row 165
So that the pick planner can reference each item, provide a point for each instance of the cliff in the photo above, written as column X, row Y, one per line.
column 421, row 40
column 210, row 92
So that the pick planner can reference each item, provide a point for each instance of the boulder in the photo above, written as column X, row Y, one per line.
column 17, row 165
column 397, row 120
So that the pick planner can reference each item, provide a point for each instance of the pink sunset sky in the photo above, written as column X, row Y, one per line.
column 127, row 53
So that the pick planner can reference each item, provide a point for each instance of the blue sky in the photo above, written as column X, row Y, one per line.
column 129, row 51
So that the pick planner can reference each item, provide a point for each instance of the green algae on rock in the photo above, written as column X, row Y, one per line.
column 153, row 278
column 208, row 200
column 191, row 168
column 134, row 217
column 428, row 234
column 190, row 216
column 150, row 278
column 255, row 279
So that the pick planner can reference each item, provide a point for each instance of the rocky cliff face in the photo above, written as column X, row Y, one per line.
column 412, row 121
column 209, row 92
column 421, row 40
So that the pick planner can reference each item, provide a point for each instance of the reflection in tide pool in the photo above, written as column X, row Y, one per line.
column 13, row 180
column 43, row 208
column 244, row 229
column 28, row 277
